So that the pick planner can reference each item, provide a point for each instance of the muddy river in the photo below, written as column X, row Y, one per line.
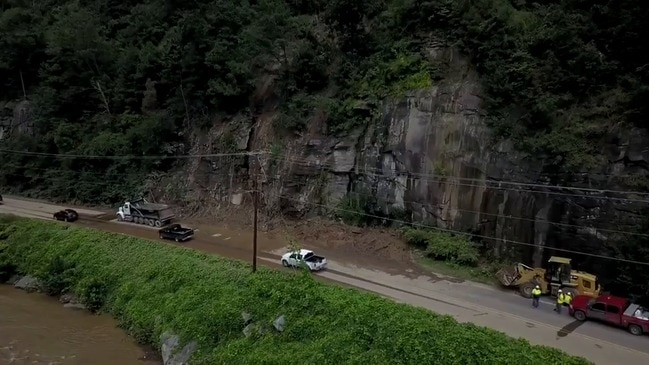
column 36, row 329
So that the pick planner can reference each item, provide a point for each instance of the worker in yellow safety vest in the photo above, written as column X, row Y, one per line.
column 567, row 301
column 560, row 300
column 536, row 295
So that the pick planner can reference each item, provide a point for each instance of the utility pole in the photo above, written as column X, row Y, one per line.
column 254, row 233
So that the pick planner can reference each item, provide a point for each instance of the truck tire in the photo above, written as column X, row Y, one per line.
column 119, row 218
column 150, row 222
column 284, row 263
column 158, row 223
column 137, row 220
column 635, row 330
column 580, row 316
column 526, row 289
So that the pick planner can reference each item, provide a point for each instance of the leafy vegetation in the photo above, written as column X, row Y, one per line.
column 131, row 77
column 152, row 288
column 451, row 255
column 442, row 246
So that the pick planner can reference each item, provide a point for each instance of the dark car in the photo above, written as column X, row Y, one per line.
column 176, row 232
column 0, row 198
column 66, row 215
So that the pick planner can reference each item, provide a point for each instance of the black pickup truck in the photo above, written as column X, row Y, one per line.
column 176, row 232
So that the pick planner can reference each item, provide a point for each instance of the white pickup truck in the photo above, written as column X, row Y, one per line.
column 304, row 257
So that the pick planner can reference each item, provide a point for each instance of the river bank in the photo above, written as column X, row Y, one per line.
column 36, row 329
column 230, row 316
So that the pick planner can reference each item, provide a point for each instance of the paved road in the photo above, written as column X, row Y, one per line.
column 466, row 301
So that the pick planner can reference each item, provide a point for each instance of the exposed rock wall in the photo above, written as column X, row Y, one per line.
column 431, row 155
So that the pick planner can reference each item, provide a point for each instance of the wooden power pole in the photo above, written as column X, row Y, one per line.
column 254, row 232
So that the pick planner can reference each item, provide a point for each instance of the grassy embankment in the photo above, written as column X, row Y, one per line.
column 151, row 288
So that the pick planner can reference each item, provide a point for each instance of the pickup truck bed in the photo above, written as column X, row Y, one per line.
column 314, row 258
column 176, row 232
column 610, row 309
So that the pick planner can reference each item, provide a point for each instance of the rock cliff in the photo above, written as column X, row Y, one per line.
column 431, row 155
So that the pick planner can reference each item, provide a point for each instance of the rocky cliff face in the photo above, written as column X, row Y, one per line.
column 432, row 156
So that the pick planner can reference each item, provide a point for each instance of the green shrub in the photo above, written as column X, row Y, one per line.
column 353, row 210
column 442, row 246
column 57, row 276
column 92, row 291
column 152, row 287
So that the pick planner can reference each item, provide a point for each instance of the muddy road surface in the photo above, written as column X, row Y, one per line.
column 382, row 264
column 36, row 329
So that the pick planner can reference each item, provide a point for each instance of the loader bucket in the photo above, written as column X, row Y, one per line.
column 507, row 276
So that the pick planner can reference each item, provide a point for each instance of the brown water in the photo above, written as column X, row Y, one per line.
column 36, row 329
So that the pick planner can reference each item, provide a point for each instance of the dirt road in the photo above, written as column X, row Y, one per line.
column 388, row 275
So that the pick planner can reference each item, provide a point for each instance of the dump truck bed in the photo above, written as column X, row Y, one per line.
column 150, row 206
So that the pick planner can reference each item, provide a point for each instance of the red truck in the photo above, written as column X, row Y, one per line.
column 614, row 310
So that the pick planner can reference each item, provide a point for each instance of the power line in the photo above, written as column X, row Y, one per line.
column 534, row 220
column 445, row 180
column 420, row 176
column 468, row 234
column 152, row 175
column 305, row 162
column 130, row 157
column 416, row 224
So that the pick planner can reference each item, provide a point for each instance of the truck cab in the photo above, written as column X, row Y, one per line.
column 560, row 275
column 125, row 209
column 613, row 310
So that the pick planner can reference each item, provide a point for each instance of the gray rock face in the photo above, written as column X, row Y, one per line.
column 432, row 155
column 28, row 283
column 170, row 353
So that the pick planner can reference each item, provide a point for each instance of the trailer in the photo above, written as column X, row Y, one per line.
column 142, row 212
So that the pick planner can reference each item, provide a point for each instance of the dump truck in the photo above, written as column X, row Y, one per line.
column 559, row 275
column 142, row 212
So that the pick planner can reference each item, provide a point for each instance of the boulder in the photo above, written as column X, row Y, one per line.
column 69, row 298
column 74, row 306
column 170, row 353
column 279, row 323
column 28, row 283
column 249, row 329
column 247, row 318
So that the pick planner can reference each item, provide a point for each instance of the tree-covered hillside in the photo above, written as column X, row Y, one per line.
column 131, row 77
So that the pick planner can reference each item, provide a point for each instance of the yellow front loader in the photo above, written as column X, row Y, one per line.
column 559, row 275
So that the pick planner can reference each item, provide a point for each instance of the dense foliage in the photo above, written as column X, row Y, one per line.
column 152, row 288
column 134, row 77
column 442, row 246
